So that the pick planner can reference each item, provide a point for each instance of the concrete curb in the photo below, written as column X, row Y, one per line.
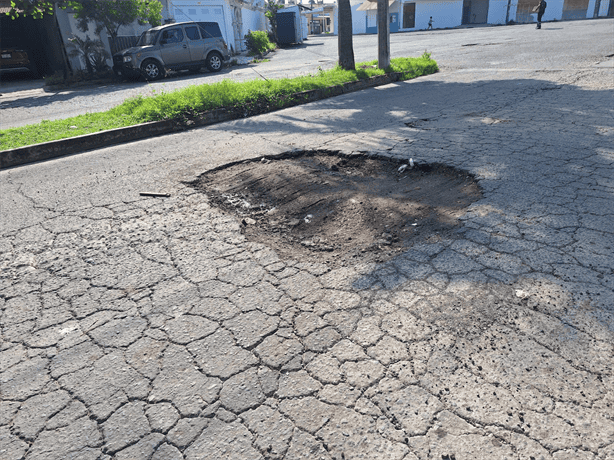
column 79, row 144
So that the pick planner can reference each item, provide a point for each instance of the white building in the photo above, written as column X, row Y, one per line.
column 235, row 17
column 409, row 15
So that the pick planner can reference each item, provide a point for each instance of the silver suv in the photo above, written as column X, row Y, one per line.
column 185, row 45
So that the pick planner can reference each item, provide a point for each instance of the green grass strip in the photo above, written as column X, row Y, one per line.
column 201, row 98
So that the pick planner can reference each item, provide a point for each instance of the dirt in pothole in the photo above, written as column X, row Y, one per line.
column 323, row 207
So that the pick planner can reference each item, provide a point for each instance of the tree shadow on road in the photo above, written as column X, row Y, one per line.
column 99, row 91
column 542, row 154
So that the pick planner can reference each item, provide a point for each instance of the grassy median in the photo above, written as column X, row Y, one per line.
column 197, row 99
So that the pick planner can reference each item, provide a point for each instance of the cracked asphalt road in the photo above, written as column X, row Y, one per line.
column 148, row 328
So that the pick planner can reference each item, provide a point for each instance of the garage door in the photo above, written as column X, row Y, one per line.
column 202, row 13
column 475, row 12
column 575, row 9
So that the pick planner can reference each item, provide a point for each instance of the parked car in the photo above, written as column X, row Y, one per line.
column 185, row 45
column 16, row 60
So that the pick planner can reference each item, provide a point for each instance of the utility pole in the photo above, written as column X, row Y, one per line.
column 383, row 34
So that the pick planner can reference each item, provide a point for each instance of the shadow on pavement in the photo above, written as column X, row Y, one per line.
column 99, row 91
column 542, row 156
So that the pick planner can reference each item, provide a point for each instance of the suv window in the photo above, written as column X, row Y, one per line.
column 192, row 33
column 210, row 29
column 147, row 38
column 174, row 35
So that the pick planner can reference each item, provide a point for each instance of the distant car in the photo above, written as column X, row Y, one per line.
column 16, row 60
column 185, row 45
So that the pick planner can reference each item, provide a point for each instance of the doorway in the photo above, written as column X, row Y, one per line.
column 409, row 15
column 475, row 12
column 394, row 22
column 371, row 22
column 38, row 37
column 575, row 9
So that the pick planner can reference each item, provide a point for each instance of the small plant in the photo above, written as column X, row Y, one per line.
column 258, row 43
column 257, row 61
column 59, row 78
column 426, row 56
column 92, row 52
column 55, row 79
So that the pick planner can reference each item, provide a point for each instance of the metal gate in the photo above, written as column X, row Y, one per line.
column 123, row 42
column 409, row 15
column 574, row 9
column 475, row 12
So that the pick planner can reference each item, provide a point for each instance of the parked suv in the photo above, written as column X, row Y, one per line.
column 185, row 45
column 16, row 60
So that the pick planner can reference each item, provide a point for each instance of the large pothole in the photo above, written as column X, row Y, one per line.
column 324, row 207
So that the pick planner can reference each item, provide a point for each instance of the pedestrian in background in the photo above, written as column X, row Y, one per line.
column 430, row 23
column 540, row 10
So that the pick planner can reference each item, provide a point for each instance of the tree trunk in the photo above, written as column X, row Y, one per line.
column 383, row 35
column 113, row 32
column 88, row 64
column 346, row 49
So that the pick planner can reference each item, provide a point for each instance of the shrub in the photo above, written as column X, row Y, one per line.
column 92, row 52
column 255, row 96
column 258, row 42
column 55, row 79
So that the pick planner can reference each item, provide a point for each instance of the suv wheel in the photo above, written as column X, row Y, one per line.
column 152, row 70
column 214, row 62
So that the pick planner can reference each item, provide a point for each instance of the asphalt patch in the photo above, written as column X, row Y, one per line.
column 325, row 207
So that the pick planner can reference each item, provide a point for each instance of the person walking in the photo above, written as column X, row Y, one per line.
column 430, row 24
column 540, row 10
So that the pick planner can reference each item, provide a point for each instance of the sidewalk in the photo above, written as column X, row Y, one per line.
column 150, row 328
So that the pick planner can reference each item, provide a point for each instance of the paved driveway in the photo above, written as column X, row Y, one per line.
column 140, row 328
